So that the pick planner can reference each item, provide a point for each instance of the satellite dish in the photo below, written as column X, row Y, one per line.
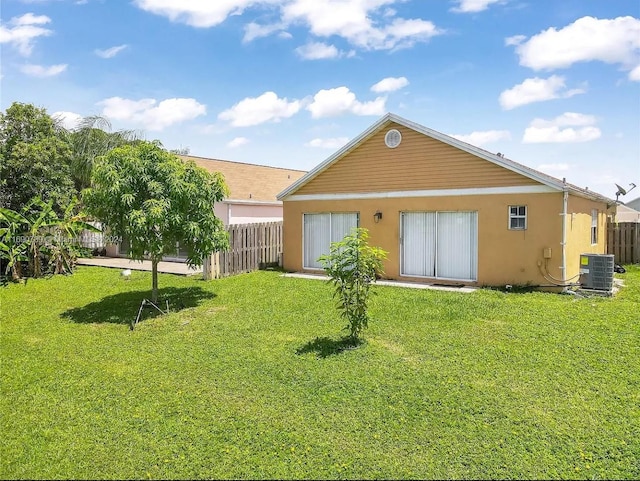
column 623, row 191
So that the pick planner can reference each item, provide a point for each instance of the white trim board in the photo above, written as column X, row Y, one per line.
column 525, row 189
column 251, row 202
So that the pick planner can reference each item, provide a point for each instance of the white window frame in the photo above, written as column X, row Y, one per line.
column 313, row 268
column 594, row 226
column 518, row 216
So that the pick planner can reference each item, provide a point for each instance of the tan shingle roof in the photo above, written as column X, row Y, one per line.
column 249, row 182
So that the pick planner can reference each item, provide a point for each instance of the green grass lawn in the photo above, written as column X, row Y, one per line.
column 246, row 379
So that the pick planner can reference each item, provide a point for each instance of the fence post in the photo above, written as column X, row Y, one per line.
column 206, row 268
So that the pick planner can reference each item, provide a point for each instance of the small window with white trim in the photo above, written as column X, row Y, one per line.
column 517, row 217
column 594, row 226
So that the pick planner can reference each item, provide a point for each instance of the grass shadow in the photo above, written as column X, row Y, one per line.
column 123, row 308
column 325, row 346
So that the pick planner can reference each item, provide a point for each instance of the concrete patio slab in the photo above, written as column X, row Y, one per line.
column 410, row 285
column 178, row 268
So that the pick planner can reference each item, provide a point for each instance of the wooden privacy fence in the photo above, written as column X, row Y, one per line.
column 251, row 247
column 623, row 241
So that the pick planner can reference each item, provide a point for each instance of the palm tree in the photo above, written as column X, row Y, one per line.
column 91, row 138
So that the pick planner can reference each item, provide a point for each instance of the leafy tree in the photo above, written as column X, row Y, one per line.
column 35, row 158
column 353, row 266
column 148, row 195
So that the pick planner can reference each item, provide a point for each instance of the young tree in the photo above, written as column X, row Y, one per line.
column 155, row 200
column 352, row 264
column 35, row 158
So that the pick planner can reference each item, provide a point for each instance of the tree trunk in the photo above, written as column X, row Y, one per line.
column 16, row 271
column 154, row 276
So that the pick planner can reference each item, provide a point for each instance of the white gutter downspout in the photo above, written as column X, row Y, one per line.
column 565, row 200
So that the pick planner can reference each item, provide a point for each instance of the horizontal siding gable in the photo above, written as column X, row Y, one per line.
column 418, row 163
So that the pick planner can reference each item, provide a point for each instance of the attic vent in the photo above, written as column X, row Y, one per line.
column 393, row 138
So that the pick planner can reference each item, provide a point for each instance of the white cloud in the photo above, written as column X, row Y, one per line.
column 151, row 114
column 553, row 167
column 390, row 84
column 338, row 101
column 23, row 32
column 110, row 52
column 568, row 118
column 331, row 143
column 634, row 75
column 367, row 24
column 514, row 40
column 569, row 127
column 30, row 19
column 318, row 50
column 402, row 33
column 473, row 6
column 614, row 41
column 536, row 90
column 483, row 137
column 69, row 120
column 254, row 30
column 42, row 71
column 237, row 142
column 265, row 108
column 202, row 13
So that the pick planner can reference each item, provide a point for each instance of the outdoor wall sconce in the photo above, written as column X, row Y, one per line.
column 377, row 216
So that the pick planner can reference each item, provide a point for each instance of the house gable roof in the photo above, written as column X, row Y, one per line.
column 249, row 183
column 627, row 214
column 498, row 160
column 635, row 203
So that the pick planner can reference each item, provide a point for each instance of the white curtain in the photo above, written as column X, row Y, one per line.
column 457, row 245
column 419, row 244
column 320, row 230
column 440, row 244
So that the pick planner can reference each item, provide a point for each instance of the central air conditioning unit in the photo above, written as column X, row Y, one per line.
column 596, row 271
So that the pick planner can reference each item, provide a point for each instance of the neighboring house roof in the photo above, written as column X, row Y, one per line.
column 634, row 204
column 499, row 160
column 627, row 214
column 249, row 183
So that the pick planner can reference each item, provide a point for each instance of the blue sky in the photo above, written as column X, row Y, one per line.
column 553, row 84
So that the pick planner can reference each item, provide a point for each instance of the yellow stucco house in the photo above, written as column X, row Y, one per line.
column 444, row 210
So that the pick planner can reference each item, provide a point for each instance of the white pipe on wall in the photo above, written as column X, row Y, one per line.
column 565, row 201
